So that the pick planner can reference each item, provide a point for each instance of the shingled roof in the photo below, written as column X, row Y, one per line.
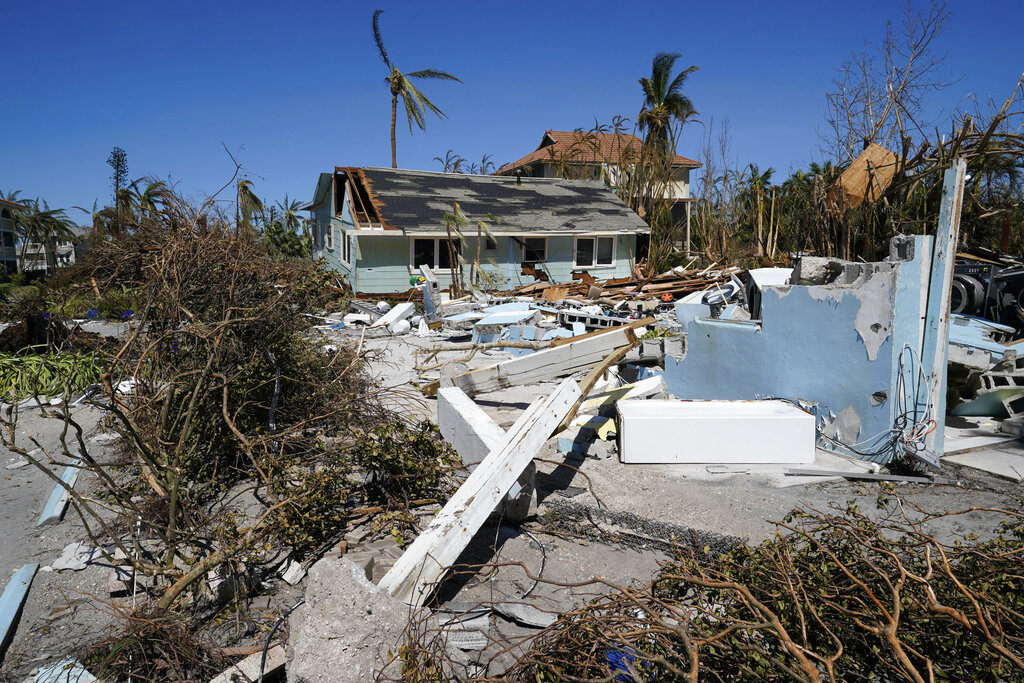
column 580, row 147
column 416, row 201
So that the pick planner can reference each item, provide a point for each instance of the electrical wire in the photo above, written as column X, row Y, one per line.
column 912, row 422
column 270, row 636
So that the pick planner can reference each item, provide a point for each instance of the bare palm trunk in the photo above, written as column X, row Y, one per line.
column 394, row 114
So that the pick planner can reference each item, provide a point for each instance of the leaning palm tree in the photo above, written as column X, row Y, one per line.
column 664, row 102
column 247, row 204
column 415, row 102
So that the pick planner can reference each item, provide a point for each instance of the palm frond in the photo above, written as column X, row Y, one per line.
column 380, row 40
column 433, row 73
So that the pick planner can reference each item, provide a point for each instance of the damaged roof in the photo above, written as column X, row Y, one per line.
column 417, row 201
column 580, row 147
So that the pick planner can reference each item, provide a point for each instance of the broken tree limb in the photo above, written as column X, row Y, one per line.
column 482, row 346
column 423, row 564
column 591, row 379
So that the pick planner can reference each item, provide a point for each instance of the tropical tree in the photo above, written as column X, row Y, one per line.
column 664, row 102
column 38, row 224
column 247, row 205
column 415, row 102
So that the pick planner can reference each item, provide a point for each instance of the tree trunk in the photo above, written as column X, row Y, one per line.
column 394, row 116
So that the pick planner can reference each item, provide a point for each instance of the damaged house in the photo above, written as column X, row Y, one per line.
column 377, row 226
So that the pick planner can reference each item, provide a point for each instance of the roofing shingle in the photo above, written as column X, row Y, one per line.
column 417, row 201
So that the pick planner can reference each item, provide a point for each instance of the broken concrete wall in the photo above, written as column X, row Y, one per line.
column 837, row 345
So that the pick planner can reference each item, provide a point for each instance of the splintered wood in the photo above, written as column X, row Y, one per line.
column 675, row 282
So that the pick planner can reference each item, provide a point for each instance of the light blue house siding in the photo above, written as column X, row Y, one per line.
column 385, row 261
column 372, row 249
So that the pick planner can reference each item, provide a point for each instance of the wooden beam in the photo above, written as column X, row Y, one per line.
column 935, row 345
column 421, row 566
column 580, row 353
column 11, row 601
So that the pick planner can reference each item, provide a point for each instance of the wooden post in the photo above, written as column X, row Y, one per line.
column 414, row 575
column 935, row 347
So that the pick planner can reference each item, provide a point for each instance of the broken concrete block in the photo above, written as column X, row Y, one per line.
column 119, row 581
column 248, row 670
column 524, row 614
column 292, row 572
column 75, row 556
column 347, row 630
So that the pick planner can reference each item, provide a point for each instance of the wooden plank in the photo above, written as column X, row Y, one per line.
column 935, row 345
column 57, row 503
column 11, row 601
column 579, row 354
column 424, row 563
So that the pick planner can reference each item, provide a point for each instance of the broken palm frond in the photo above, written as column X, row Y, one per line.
column 834, row 596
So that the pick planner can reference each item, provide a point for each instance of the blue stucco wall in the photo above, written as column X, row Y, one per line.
column 838, row 346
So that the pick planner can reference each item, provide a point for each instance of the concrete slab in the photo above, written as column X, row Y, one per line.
column 1000, row 463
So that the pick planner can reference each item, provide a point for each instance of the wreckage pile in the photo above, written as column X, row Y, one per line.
column 667, row 286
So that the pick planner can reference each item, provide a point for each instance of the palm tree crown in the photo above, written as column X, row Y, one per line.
column 664, row 101
column 415, row 102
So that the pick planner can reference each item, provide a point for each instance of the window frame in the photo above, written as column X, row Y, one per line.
column 526, row 248
column 345, row 253
column 593, row 264
column 435, row 266
column 329, row 235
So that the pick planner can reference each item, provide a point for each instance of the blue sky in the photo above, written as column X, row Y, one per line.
column 297, row 88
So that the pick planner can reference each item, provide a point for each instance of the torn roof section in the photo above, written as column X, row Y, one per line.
column 416, row 201
column 585, row 147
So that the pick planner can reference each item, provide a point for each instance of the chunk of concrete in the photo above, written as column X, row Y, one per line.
column 466, row 426
column 248, row 670
column 348, row 629
column 75, row 556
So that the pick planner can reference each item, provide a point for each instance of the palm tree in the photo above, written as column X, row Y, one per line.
column 415, row 102
column 37, row 223
column 664, row 102
column 247, row 204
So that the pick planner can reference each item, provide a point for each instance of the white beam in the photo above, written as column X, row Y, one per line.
column 415, row 574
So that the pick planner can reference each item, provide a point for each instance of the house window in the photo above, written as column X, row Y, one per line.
column 594, row 252
column 346, row 247
column 535, row 250
column 329, row 235
column 433, row 252
column 8, row 239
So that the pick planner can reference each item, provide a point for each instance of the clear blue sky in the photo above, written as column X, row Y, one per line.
column 296, row 88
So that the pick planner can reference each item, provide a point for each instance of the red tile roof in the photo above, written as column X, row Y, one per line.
column 8, row 202
column 586, row 148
